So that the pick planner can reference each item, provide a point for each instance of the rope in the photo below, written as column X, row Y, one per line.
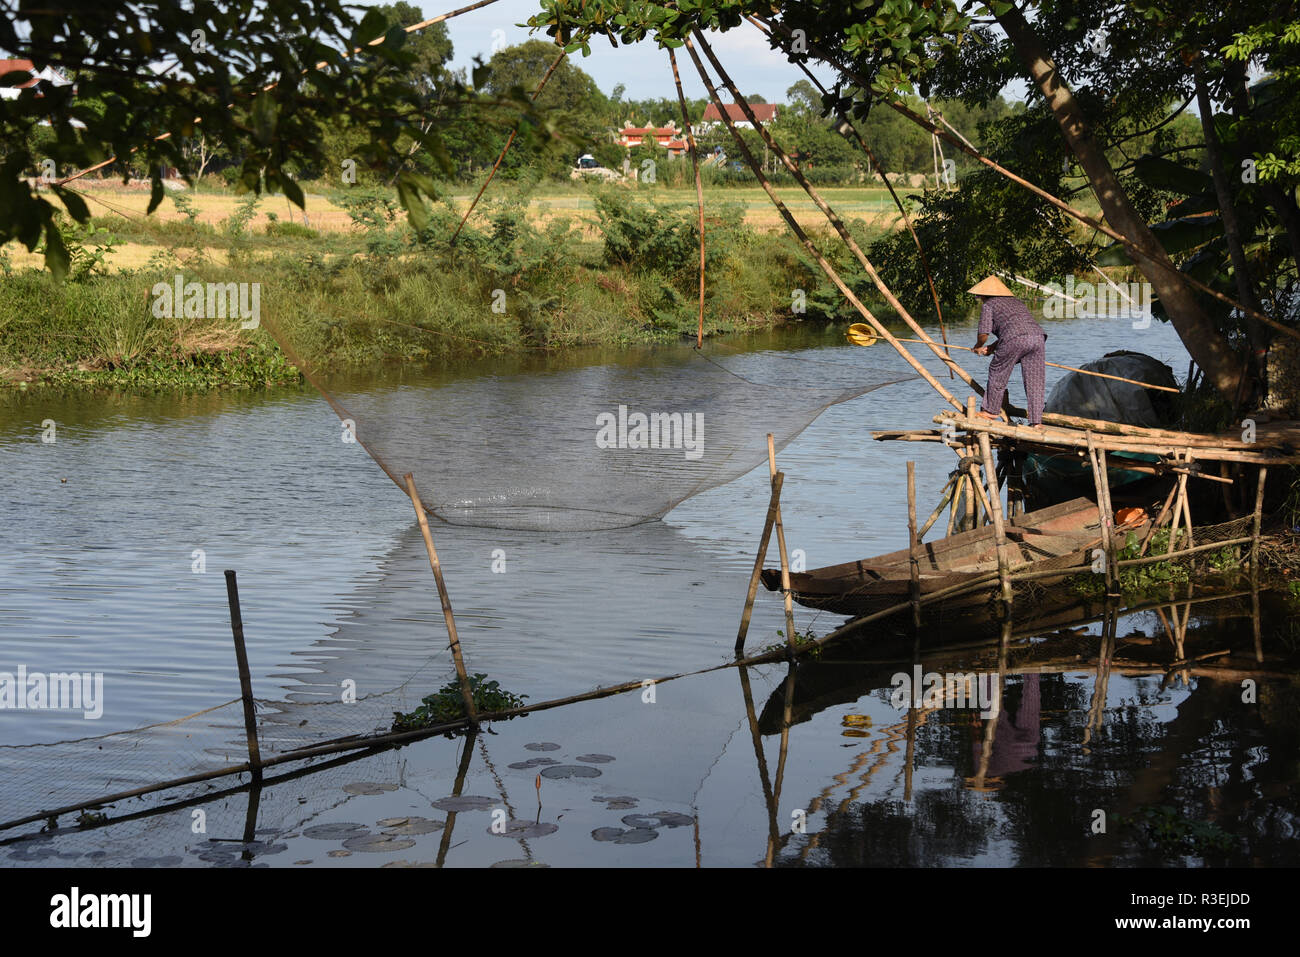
column 505, row 149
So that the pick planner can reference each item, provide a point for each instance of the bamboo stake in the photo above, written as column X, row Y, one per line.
column 780, row 544
column 245, row 682
column 774, row 503
column 1169, row 500
column 1178, row 513
column 1187, row 508
column 1111, row 560
column 1103, row 516
column 958, row 491
column 466, row 694
column 914, row 562
column 1258, row 519
column 995, row 499
column 807, row 243
column 938, row 510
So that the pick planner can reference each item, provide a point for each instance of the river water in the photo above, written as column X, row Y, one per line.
column 116, row 535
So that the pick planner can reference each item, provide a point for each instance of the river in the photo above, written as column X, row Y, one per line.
column 117, row 533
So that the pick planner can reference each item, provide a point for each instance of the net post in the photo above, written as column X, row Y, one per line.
column 914, row 561
column 773, row 505
column 780, row 544
column 434, row 564
column 245, row 682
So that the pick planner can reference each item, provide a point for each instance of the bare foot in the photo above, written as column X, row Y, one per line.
column 989, row 415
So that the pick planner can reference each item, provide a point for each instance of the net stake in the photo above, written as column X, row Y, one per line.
column 245, row 682
column 772, row 507
column 780, row 544
column 423, row 519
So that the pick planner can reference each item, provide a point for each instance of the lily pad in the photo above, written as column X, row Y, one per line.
column 465, row 802
column 658, row 819
column 532, row 763
column 519, row 829
column 413, row 825
column 519, row 862
column 542, row 746
column 622, row 802
column 338, row 852
column 378, row 843
column 368, row 787
column 334, row 832
column 595, row 758
column 618, row 835
column 561, row 771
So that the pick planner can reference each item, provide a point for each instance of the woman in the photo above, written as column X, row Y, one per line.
column 1020, row 340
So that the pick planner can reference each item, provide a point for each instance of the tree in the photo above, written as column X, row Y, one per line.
column 264, row 77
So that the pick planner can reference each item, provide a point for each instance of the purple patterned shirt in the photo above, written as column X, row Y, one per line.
column 1008, row 318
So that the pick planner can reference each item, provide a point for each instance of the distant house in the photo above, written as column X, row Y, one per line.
column 48, row 75
column 764, row 112
column 669, row 137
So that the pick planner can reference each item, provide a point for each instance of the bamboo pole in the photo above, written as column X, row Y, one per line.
column 1103, row 470
column 1180, row 491
column 245, row 682
column 1169, row 501
column 780, row 544
column 884, row 178
column 774, row 503
column 699, row 188
column 808, row 244
column 1069, row 438
column 831, row 216
column 957, row 492
column 466, row 693
column 1157, row 256
column 505, row 149
column 1258, row 519
column 934, row 516
column 1103, row 516
column 995, row 499
column 1187, row 508
column 914, row 563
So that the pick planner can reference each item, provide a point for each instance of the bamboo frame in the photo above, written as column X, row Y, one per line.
column 773, row 506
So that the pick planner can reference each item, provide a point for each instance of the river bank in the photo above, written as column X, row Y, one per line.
column 375, row 291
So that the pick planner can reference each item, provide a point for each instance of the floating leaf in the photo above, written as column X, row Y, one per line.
column 465, row 802
column 618, row 835
column 334, row 832
column 561, row 771
column 541, row 746
column 595, row 758
column 519, row 829
column 532, row 763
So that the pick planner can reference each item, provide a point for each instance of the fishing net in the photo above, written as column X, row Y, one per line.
column 591, row 447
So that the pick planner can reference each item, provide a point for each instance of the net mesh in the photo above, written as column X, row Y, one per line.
column 592, row 447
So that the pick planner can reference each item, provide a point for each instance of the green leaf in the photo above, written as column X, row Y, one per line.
column 1162, row 173
column 155, row 194
column 75, row 204
column 56, row 254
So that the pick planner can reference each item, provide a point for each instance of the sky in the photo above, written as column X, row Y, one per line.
column 642, row 68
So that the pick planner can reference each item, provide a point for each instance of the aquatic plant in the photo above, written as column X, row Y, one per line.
column 1170, row 830
column 447, row 704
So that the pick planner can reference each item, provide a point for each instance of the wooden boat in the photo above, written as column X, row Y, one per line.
column 1059, row 536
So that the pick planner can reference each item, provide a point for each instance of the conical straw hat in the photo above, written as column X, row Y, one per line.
column 992, row 286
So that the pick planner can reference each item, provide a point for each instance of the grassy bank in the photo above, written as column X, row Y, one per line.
column 521, row 276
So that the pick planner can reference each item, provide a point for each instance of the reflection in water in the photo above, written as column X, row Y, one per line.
column 1121, row 747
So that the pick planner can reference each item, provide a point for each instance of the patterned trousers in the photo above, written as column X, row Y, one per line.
column 1030, row 354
